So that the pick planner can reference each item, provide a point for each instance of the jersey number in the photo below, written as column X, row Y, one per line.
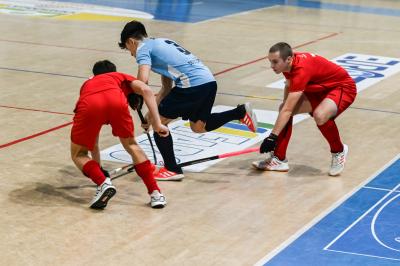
column 180, row 48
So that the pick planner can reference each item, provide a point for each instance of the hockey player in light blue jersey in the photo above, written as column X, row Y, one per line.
column 188, row 90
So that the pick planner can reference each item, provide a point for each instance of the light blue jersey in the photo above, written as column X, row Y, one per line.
column 169, row 59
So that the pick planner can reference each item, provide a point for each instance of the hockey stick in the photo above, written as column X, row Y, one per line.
column 148, row 135
column 221, row 156
column 129, row 167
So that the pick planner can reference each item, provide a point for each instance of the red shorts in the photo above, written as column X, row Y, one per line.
column 93, row 111
column 343, row 96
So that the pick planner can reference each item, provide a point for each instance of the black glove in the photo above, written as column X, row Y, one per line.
column 269, row 143
column 135, row 101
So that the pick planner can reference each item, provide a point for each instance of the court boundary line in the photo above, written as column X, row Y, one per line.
column 219, row 73
column 322, row 215
column 264, row 57
column 234, row 14
column 215, row 74
column 349, row 6
column 361, row 217
column 382, row 189
column 34, row 135
column 34, row 110
column 360, row 254
column 42, row 72
column 90, row 49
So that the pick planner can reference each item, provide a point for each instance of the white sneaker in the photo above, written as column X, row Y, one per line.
column 338, row 161
column 157, row 200
column 249, row 119
column 272, row 163
column 104, row 193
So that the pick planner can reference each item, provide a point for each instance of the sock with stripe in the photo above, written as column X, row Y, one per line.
column 145, row 171
column 216, row 120
column 92, row 170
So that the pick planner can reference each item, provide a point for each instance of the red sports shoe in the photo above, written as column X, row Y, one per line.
column 249, row 119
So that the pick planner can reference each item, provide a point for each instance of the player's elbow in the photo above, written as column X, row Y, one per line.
column 144, row 79
column 147, row 92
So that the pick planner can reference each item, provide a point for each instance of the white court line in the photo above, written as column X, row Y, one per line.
column 322, row 215
column 374, row 222
column 361, row 217
column 383, row 189
column 360, row 254
column 234, row 14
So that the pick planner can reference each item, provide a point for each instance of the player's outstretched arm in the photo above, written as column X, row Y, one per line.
column 287, row 111
column 144, row 73
column 141, row 88
column 166, row 87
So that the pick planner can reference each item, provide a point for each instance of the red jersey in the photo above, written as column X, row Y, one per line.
column 107, row 81
column 314, row 73
column 102, row 101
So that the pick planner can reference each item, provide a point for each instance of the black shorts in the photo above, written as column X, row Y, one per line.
column 194, row 103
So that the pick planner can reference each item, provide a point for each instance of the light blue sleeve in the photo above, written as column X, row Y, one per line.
column 143, row 55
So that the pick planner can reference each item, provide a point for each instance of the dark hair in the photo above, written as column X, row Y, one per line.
column 133, row 29
column 284, row 50
column 103, row 66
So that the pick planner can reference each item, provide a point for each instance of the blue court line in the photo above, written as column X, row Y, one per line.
column 363, row 230
column 347, row 8
column 185, row 10
column 196, row 10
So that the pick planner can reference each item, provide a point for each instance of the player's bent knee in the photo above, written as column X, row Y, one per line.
column 165, row 121
column 198, row 127
column 320, row 117
column 78, row 151
column 77, row 157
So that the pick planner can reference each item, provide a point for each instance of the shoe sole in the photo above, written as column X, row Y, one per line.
column 101, row 203
column 172, row 178
column 159, row 206
column 336, row 174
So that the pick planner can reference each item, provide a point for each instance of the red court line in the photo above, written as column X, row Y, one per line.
column 62, row 46
column 34, row 135
column 35, row 110
column 264, row 57
column 215, row 74
column 91, row 49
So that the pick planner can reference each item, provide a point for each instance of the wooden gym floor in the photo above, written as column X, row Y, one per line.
column 228, row 214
